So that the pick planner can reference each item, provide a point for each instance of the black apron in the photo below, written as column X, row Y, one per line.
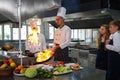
column 113, row 71
column 102, row 57
column 61, row 55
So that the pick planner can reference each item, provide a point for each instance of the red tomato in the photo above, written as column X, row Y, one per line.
column 6, row 61
column 61, row 62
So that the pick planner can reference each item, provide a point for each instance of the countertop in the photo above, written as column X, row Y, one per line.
column 84, row 74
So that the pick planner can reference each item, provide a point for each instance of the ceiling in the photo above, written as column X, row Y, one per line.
column 85, row 20
column 49, row 8
column 74, row 6
column 29, row 8
column 90, row 13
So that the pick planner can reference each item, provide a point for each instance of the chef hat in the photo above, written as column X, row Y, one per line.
column 61, row 12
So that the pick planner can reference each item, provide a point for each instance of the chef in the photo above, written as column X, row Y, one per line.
column 36, row 41
column 62, row 37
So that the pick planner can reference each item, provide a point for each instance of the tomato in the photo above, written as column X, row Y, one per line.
column 6, row 61
column 61, row 62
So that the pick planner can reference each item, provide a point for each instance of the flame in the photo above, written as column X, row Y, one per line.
column 44, row 56
column 41, row 56
column 33, row 38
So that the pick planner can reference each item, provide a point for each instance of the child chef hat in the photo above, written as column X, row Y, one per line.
column 61, row 12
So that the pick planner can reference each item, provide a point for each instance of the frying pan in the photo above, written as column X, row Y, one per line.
column 29, row 54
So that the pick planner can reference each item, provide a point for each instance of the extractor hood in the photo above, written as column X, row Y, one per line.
column 89, row 19
column 29, row 8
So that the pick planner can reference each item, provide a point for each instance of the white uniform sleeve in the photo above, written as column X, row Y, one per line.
column 116, row 43
column 54, row 39
column 43, row 43
column 68, row 39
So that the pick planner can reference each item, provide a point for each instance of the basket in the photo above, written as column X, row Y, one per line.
column 6, row 72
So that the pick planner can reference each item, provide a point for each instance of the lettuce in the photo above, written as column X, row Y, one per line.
column 30, row 72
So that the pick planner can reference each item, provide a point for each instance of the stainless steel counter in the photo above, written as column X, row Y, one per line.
column 84, row 74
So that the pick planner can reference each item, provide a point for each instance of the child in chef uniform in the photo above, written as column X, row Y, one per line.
column 113, row 45
column 102, row 53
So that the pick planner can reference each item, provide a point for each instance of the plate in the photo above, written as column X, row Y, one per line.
column 69, row 64
column 55, row 72
column 37, row 66
column 47, row 67
column 81, row 67
column 14, row 52
column 77, row 69
column 18, row 74
column 21, row 56
column 62, row 70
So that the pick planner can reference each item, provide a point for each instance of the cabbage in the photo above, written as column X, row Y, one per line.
column 30, row 72
column 62, row 69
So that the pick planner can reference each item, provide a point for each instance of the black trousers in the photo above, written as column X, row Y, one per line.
column 113, row 69
column 61, row 55
column 102, row 59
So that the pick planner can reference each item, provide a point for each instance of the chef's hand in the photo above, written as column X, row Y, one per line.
column 55, row 48
column 107, row 42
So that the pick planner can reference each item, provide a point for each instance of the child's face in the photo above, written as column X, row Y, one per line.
column 102, row 30
column 113, row 29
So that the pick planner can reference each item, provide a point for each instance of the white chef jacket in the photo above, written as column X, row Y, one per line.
column 62, row 37
column 116, row 42
column 41, row 45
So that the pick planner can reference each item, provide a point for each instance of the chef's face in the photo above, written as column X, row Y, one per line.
column 59, row 21
column 102, row 30
column 113, row 29
column 33, row 25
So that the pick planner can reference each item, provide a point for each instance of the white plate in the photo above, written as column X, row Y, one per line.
column 37, row 66
column 81, row 67
column 18, row 74
column 14, row 52
column 47, row 67
column 62, row 73
column 78, row 69
column 21, row 56
column 69, row 64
